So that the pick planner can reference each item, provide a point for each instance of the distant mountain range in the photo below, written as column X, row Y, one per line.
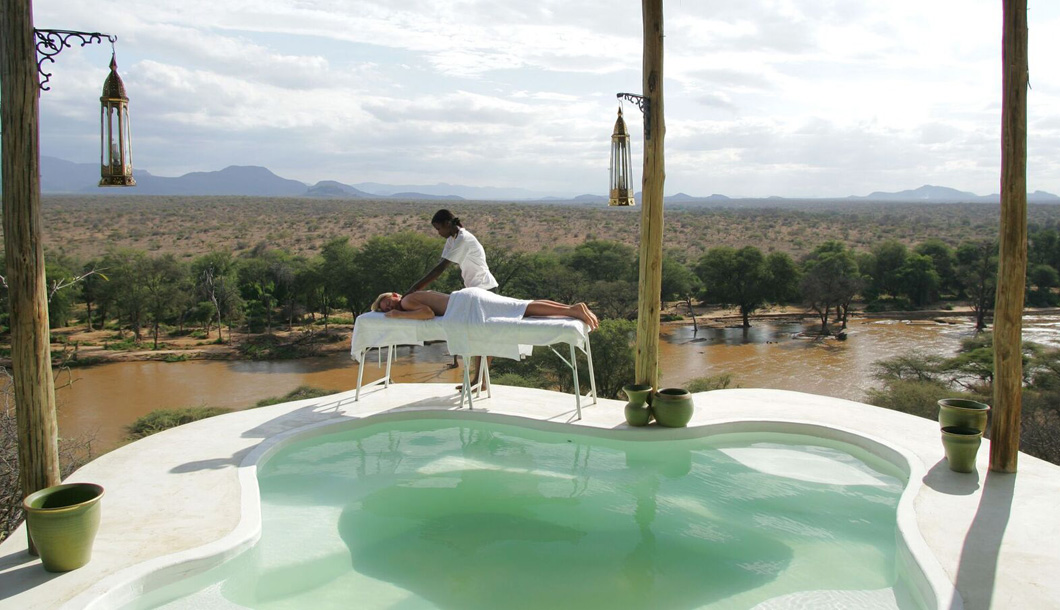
column 64, row 177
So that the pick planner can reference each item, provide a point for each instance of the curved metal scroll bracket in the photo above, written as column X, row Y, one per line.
column 51, row 42
column 644, row 104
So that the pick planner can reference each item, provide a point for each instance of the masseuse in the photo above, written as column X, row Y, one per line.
column 461, row 248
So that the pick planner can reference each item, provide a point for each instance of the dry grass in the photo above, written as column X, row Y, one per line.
column 84, row 227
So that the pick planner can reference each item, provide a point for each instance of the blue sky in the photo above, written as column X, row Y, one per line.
column 796, row 98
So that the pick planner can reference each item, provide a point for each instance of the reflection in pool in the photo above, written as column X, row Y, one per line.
column 472, row 515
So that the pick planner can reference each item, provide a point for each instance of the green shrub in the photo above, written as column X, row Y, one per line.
column 164, row 419
column 916, row 397
column 707, row 384
column 302, row 392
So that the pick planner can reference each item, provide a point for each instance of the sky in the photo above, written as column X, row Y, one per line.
column 790, row 98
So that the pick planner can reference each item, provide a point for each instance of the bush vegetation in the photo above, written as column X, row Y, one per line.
column 164, row 419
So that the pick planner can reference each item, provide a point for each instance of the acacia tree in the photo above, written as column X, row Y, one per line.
column 888, row 256
column 215, row 280
column 918, row 279
column 165, row 283
column 385, row 263
column 735, row 277
column 126, row 290
column 91, row 290
column 604, row 260
column 680, row 282
column 830, row 279
column 977, row 269
column 784, row 276
column 944, row 260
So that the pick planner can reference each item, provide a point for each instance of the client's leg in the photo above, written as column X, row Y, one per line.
column 578, row 311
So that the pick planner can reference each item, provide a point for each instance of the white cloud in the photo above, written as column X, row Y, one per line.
column 763, row 97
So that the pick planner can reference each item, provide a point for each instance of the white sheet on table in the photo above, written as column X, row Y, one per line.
column 499, row 337
column 470, row 324
column 374, row 329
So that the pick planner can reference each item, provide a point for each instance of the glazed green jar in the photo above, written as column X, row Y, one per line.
column 672, row 407
column 63, row 521
column 961, row 446
column 963, row 413
column 638, row 411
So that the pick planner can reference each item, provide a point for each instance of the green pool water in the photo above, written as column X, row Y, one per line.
column 473, row 515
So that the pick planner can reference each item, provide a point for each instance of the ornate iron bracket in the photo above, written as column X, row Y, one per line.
column 51, row 42
column 644, row 104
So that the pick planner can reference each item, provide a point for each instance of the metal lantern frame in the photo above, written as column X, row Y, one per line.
column 621, row 189
column 115, row 136
column 115, row 139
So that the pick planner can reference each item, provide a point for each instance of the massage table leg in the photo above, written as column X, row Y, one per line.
column 385, row 380
column 577, row 389
column 465, row 388
column 592, row 374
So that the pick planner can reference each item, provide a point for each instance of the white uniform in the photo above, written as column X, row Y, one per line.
column 464, row 250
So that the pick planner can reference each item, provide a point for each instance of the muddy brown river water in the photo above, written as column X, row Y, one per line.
column 103, row 399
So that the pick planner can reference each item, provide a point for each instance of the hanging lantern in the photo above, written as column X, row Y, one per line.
column 621, row 174
column 115, row 153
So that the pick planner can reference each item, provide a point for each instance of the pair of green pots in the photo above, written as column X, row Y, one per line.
column 62, row 522
column 670, row 407
column 962, row 423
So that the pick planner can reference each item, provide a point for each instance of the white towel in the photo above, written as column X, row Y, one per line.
column 467, row 329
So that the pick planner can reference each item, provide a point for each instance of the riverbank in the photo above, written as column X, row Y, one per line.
column 77, row 346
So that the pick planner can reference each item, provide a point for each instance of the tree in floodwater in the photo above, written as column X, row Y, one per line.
column 918, row 280
column 735, row 277
column 830, row 279
column 977, row 269
column 680, row 283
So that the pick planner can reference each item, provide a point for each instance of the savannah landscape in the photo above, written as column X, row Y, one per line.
column 174, row 278
column 86, row 226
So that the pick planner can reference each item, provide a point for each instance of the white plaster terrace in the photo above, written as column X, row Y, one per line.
column 181, row 498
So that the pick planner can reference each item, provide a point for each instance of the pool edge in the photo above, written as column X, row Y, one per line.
column 125, row 586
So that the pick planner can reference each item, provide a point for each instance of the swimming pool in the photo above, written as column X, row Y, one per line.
column 432, row 512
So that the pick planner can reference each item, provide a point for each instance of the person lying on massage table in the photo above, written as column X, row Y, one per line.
column 428, row 304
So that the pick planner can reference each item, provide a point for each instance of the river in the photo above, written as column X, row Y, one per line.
column 101, row 400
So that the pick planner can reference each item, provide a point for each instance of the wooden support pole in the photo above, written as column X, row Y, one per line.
column 651, row 217
column 1012, row 263
column 31, row 364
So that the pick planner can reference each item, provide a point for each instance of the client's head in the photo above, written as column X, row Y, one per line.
column 386, row 301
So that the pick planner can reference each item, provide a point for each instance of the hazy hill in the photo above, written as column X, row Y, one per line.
column 442, row 189
column 232, row 180
column 331, row 188
column 63, row 177
column 938, row 194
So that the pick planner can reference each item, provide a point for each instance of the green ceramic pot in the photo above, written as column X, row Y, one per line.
column 638, row 411
column 961, row 446
column 962, row 413
column 672, row 407
column 63, row 521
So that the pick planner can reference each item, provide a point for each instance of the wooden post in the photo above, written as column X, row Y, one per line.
column 1012, row 263
column 651, row 216
column 31, row 364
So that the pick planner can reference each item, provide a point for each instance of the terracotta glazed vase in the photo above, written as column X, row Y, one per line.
column 63, row 521
column 961, row 446
column 963, row 413
column 672, row 407
column 638, row 411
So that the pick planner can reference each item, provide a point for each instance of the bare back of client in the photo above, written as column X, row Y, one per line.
column 437, row 302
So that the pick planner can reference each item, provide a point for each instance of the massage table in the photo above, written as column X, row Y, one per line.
column 503, row 337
